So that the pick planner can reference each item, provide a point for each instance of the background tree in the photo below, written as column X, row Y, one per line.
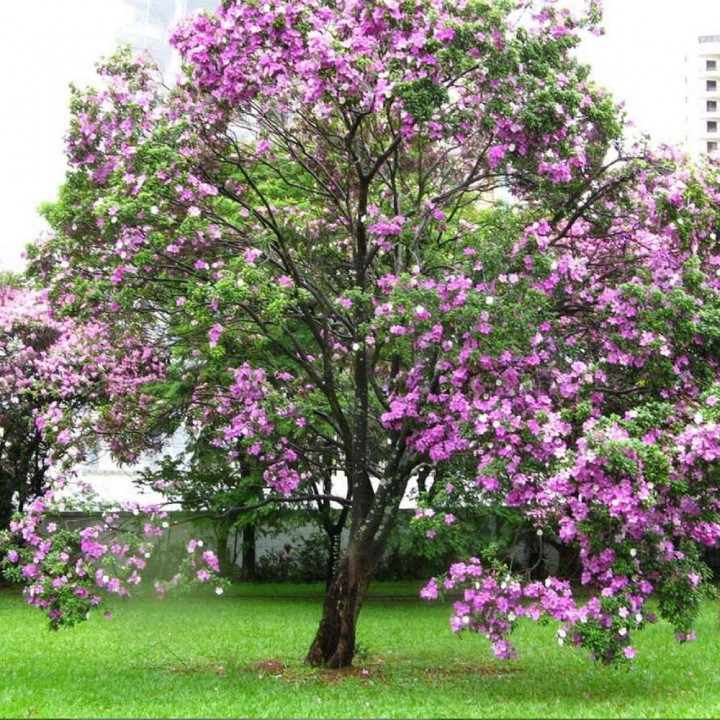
column 35, row 350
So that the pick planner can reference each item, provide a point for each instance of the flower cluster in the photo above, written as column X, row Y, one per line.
column 67, row 572
column 492, row 601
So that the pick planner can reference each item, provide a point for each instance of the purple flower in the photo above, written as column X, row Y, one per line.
column 214, row 334
column 430, row 591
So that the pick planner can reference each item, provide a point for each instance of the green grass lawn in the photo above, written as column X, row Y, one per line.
column 240, row 655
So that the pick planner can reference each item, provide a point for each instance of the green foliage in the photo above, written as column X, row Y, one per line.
column 301, row 561
column 421, row 97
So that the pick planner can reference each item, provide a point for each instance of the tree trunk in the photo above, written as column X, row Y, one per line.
column 334, row 643
column 6, row 504
column 248, row 552
column 334, row 541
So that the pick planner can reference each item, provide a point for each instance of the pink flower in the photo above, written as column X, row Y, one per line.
column 444, row 34
column 214, row 334
column 251, row 254
column 430, row 591
column 211, row 559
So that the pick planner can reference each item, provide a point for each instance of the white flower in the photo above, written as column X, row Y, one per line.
column 219, row 591
column 489, row 300
column 633, row 552
column 638, row 617
column 562, row 633
column 511, row 617
column 622, row 631
column 165, row 524
column 154, row 210
column 200, row 543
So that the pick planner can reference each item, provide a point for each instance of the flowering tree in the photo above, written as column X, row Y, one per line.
column 298, row 220
column 59, row 379
column 34, row 346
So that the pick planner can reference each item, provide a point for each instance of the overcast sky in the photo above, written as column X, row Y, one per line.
column 46, row 44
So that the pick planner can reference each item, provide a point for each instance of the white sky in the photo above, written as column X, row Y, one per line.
column 45, row 44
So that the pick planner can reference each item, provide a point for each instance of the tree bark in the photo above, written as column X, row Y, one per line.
column 333, row 557
column 6, row 507
column 222, row 533
column 334, row 643
column 248, row 552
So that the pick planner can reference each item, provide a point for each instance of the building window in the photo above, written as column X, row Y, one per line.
column 711, row 64
column 711, row 106
column 711, row 85
column 712, row 126
column 711, row 146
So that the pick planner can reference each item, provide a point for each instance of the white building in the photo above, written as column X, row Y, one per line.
column 702, row 97
column 151, row 24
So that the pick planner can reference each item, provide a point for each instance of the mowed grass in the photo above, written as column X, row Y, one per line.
column 240, row 655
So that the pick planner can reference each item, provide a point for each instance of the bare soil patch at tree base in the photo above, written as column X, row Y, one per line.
column 369, row 671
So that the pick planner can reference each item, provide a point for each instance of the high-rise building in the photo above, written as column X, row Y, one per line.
column 702, row 99
column 150, row 26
